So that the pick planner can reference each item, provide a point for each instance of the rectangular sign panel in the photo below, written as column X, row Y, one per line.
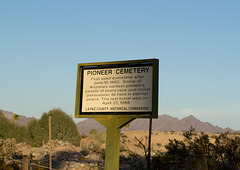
column 117, row 88
column 126, row 89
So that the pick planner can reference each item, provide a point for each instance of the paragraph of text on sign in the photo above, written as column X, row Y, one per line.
column 127, row 89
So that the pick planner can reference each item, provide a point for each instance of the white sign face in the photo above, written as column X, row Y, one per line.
column 125, row 89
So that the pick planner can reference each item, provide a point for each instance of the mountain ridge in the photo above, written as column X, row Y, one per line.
column 163, row 123
column 23, row 120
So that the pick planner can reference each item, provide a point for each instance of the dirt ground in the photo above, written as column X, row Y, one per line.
column 90, row 154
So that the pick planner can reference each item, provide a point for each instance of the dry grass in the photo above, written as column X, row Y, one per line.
column 159, row 140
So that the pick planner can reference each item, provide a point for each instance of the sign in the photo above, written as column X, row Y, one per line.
column 117, row 88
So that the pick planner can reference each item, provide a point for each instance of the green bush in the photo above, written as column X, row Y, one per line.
column 37, row 131
column 10, row 130
column 62, row 126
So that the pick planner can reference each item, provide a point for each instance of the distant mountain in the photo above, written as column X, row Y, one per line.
column 23, row 120
column 86, row 125
column 163, row 123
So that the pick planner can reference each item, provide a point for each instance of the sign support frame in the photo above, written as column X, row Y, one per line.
column 113, row 126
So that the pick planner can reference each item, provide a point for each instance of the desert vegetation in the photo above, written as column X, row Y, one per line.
column 36, row 132
column 169, row 150
column 196, row 151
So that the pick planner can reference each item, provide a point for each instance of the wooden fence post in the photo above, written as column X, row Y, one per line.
column 25, row 162
column 50, row 144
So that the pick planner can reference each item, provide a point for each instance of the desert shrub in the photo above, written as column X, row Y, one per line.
column 6, row 127
column 160, row 161
column 227, row 151
column 133, row 161
column 94, row 144
column 93, row 132
column 200, row 153
column 63, row 128
column 10, row 130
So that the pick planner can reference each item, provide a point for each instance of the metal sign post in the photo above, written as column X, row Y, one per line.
column 113, row 126
column 114, row 94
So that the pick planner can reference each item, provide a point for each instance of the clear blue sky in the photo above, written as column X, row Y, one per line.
column 197, row 43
